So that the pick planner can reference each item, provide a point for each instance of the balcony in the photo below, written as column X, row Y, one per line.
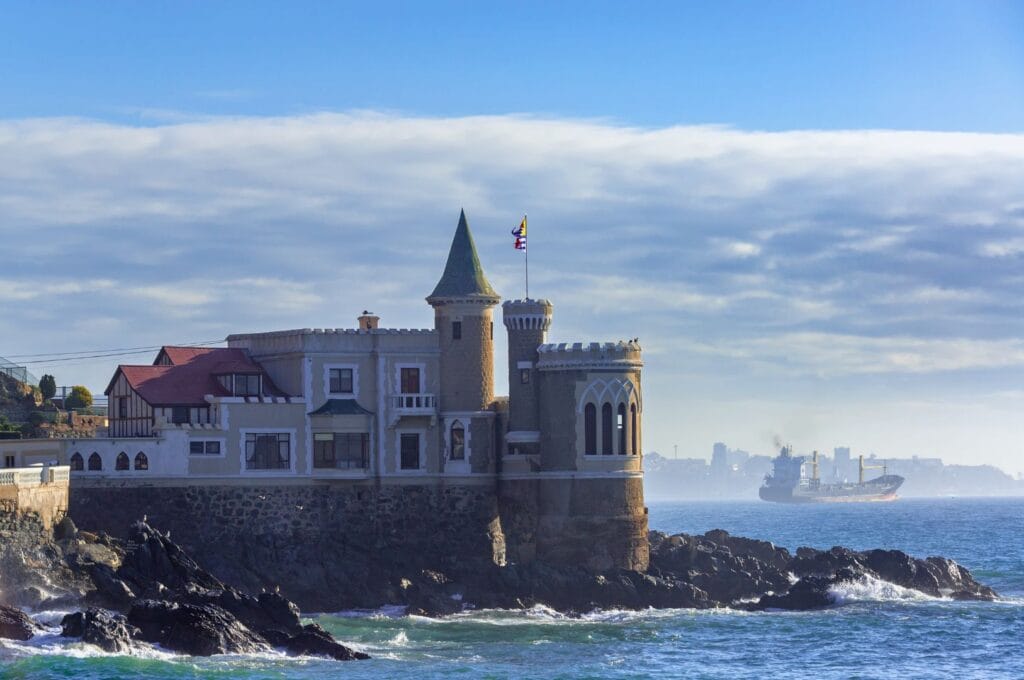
column 420, row 404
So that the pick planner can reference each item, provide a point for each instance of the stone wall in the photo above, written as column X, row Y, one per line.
column 39, row 491
column 327, row 546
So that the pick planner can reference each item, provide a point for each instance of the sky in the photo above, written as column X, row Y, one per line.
column 810, row 214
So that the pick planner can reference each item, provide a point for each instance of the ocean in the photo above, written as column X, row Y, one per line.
column 875, row 631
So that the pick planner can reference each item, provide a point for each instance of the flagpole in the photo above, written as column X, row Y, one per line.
column 527, row 263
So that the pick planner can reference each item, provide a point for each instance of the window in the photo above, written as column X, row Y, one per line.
column 606, row 429
column 122, row 407
column 122, row 462
column 590, row 430
column 95, row 462
column 201, row 447
column 9, row 461
column 247, row 385
column 179, row 414
column 456, row 330
column 341, row 450
column 271, row 451
column 458, row 442
column 410, row 380
column 620, row 422
column 492, row 330
column 341, row 381
column 632, row 428
column 524, row 376
column 76, row 462
column 141, row 461
column 410, row 451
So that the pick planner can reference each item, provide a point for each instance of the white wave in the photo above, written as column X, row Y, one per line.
column 388, row 611
column 871, row 589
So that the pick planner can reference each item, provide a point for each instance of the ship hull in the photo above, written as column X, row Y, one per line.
column 877, row 490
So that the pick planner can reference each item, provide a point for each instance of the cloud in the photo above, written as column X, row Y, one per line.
column 735, row 255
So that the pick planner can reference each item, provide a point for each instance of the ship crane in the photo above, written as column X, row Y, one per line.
column 883, row 467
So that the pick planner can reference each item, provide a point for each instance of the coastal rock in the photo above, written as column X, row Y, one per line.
column 810, row 592
column 16, row 624
column 107, row 630
column 312, row 640
column 199, row 630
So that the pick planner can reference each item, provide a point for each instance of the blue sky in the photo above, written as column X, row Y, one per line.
column 810, row 213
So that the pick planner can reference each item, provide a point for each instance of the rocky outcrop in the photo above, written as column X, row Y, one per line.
column 109, row 631
column 171, row 601
column 15, row 624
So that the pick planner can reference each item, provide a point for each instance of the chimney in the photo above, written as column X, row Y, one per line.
column 368, row 321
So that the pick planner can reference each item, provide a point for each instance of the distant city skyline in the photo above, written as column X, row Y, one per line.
column 810, row 215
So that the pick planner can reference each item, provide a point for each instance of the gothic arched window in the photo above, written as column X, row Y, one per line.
column 590, row 430
column 141, row 461
column 620, row 422
column 606, row 429
column 122, row 461
column 95, row 462
column 458, row 442
column 77, row 463
column 632, row 429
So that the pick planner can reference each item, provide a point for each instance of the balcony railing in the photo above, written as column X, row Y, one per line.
column 414, row 404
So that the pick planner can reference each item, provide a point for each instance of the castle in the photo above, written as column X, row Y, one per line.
column 379, row 416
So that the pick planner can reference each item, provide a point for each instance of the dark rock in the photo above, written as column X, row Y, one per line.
column 65, row 529
column 110, row 591
column 810, row 592
column 199, row 630
column 313, row 640
column 107, row 630
column 16, row 624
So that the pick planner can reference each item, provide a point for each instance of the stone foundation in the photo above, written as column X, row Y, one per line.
column 327, row 546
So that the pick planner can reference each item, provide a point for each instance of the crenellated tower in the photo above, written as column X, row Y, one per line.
column 527, row 322
column 463, row 303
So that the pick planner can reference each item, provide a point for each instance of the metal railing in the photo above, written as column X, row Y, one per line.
column 19, row 373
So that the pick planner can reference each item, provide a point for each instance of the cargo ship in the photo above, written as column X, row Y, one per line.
column 787, row 484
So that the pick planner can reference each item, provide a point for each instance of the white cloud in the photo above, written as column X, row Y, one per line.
column 732, row 254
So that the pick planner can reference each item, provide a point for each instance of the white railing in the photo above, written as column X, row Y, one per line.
column 34, row 476
column 414, row 403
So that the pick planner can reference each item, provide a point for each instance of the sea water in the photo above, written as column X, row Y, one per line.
column 875, row 631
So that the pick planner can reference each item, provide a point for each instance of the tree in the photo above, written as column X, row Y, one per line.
column 48, row 386
column 80, row 397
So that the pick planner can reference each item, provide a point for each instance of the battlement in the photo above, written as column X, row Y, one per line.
column 564, row 355
column 527, row 314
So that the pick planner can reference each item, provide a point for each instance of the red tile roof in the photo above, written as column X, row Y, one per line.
column 191, row 375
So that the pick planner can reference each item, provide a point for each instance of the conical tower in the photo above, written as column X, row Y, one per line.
column 463, row 303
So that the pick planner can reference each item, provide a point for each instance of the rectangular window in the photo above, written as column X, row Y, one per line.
column 341, row 450
column 410, row 453
column 179, row 414
column 456, row 330
column 247, row 385
column 410, row 380
column 341, row 381
column 122, row 407
column 270, row 451
column 201, row 448
column 524, row 376
column 458, row 443
column 9, row 461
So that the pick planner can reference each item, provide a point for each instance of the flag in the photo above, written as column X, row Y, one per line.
column 520, row 234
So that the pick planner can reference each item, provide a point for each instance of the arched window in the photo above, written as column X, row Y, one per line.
column 95, row 462
column 606, row 429
column 633, row 449
column 458, row 442
column 620, row 422
column 141, row 461
column 77, row 463
column 122, row 461
column 590, row 430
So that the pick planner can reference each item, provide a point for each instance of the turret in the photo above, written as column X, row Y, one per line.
column 527, row 322
column 463, row 303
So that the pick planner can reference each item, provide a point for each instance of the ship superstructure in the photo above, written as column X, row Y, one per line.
column 787, row 483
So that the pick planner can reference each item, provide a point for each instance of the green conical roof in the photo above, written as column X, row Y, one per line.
column 463, row 276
